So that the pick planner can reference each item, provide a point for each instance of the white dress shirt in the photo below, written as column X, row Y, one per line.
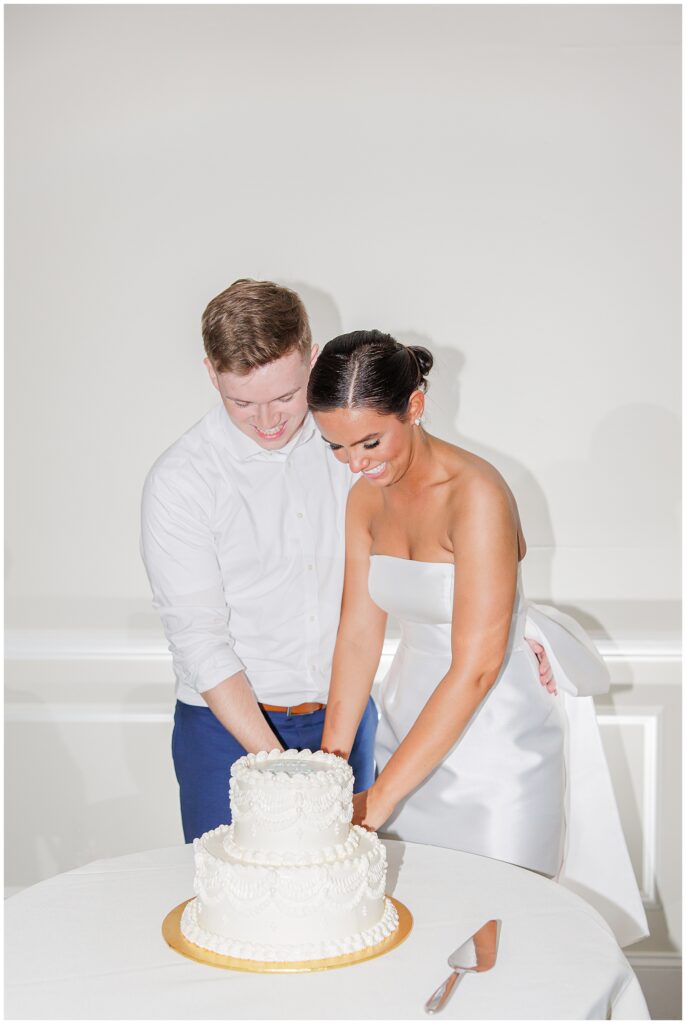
column 244, row 550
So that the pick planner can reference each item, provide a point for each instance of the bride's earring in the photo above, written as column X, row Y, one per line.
column 418, row 421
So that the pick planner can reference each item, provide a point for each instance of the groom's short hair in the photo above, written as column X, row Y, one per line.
column 252, row 323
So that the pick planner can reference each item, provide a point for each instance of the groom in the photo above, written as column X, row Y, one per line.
column 242, row 536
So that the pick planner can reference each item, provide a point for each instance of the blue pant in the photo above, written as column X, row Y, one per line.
column 203, row 752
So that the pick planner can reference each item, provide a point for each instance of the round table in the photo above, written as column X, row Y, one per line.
column 88, row 943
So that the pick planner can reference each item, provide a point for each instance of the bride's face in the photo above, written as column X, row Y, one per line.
column 378, row 446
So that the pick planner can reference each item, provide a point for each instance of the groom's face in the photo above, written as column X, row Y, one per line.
column 268, row 404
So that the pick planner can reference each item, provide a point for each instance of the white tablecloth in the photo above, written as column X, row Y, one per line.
column 88, row 944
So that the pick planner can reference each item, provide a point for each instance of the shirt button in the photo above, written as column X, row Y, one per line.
column 310, row 568
column 311, row 618
column 300, row 515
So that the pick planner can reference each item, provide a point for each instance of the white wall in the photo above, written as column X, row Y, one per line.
column 502, row 183
column 498, row 183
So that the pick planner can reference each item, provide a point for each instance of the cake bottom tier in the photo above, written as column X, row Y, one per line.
column 274, row 952
column 281, row 913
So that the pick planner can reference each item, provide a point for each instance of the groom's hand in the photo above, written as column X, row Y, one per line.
column 545, row 672
column 329, row 748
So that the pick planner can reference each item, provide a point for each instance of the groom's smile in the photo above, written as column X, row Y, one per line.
column 274, row 434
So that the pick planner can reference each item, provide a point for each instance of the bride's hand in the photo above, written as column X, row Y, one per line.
column 369, row 810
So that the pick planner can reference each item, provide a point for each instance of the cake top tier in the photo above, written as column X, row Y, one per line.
column 287, row 767
column 290, row 800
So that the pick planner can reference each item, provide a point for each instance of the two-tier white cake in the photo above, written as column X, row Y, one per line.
column 290, row 879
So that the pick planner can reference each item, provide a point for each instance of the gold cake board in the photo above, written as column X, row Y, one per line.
column 171, row 931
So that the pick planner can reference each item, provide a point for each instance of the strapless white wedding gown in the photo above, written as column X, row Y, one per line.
column 504, row 789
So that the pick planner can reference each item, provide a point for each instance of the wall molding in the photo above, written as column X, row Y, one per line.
column 662, row 960
column 116, row 645
column 647, row 720
column 83, row 713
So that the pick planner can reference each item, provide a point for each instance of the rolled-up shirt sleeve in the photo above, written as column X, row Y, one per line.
column 181, row 562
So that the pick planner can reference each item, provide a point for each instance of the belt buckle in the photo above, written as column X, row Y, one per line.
column 289, row 713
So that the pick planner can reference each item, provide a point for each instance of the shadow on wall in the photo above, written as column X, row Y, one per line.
column 624, row 496
column 324, row 315
column 626, row 480
column 443, row 404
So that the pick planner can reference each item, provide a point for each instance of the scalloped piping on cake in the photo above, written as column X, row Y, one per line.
column 324, row 949
column 303, row 889
column 287, row 858
column 243, row 768
column 300, row 807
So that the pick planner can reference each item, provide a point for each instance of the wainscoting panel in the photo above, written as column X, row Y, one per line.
column 630, row 744
column 85, row 782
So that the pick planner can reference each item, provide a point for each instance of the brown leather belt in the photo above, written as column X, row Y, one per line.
column 298, row 709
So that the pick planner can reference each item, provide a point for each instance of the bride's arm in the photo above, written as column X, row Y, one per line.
column 359, row 641
column 484, row 539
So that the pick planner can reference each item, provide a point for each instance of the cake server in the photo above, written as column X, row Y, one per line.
column 472, row 957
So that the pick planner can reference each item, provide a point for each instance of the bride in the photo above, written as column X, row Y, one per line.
column 470, row 749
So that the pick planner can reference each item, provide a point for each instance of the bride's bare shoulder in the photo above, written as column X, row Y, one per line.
column 468, row 469
column 476, row 483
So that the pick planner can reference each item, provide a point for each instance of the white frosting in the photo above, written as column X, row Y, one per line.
column 282, row 953
column 290, row 800
column 279, row 858
column 290, row 879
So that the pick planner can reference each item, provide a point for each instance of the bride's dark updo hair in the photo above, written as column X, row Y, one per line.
column 370, row 369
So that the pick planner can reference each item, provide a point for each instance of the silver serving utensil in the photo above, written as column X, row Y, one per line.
column 472, row 957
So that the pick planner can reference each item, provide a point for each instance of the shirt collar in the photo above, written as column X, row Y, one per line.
column 245, row 449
